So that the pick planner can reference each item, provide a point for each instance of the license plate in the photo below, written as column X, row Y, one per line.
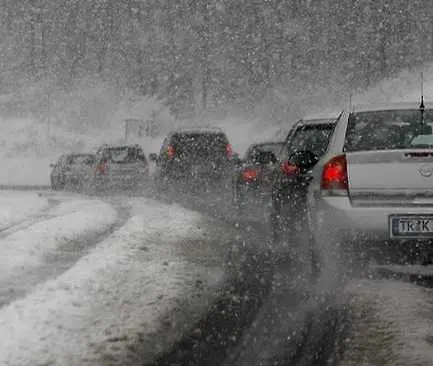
column 411, row 226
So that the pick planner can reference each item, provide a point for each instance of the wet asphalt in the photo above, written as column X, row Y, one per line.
column 271, row 314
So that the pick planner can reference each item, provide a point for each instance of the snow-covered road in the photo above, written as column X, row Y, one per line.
column 146, row 280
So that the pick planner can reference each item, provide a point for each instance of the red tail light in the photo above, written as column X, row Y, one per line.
column 170, row 152
column 101, row 168
column 250, row 174
column 229, row 150
column 334, row 175
column 289, row 168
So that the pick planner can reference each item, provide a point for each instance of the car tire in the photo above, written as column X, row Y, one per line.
column 83, row 187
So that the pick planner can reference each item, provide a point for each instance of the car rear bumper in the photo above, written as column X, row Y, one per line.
column 181, row 169
column 335, row 221
column 111, row 181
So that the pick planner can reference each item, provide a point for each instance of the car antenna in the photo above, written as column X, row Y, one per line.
column 422, row 106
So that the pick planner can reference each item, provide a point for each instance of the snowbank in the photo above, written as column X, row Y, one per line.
column 28, row 248
column 16, row 207
column 391, row 324
column 117, row 296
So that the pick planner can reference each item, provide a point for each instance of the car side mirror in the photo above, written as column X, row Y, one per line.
column 304, row 159
column 153, row 157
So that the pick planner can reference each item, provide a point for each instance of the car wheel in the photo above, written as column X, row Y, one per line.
column 56, row 185
column 83, row 187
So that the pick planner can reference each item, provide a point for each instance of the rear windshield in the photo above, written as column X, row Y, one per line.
column 78, row 159
column 314, row 138
column 387, row 130
column 271, row 147
column 124, row 155
column 199, row 143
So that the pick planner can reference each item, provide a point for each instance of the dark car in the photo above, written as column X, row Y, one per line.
column 69, row 170
column 251, row 183
column 120, row 167
column 195, row 155
column 305, row 144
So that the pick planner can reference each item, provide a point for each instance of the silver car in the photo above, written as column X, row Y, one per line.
column 71, row 170
column 373, row 189
column 123, row 167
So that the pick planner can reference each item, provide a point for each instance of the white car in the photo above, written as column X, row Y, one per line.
column 373, row 189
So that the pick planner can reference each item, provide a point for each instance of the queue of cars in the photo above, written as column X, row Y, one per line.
column 354, row 182
column 111, row 167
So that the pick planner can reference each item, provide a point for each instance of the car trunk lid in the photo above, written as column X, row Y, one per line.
column 391, row 177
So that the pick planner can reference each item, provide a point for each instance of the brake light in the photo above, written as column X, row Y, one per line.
column 170, row 152
column 229, row 150
column 250, row 174
column 289, row 168
column 101, row 168
column 334, row 175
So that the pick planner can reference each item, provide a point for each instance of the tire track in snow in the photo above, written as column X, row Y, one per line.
column 29, row 221
column 257, row 322
column 71, row 252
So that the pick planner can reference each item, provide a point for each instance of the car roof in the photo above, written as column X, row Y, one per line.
column 78, row 154
column 315, row 122
column 388, row 106
column 197, row 129
column 330, row 116
column 118, row 146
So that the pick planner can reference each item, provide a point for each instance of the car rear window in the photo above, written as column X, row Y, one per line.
column 314, row 138
column 124, row 155
column 77, row 159
column 200, row 143
column 388, row 130
column 271, row 147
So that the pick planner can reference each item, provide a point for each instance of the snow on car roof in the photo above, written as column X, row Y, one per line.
column 330, row 116
column 198, row 129
column 109, row 146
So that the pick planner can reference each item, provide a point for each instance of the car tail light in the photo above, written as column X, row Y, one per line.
column 334, row 174
column 289, row 169
column 229, row 150
column 170, row 152
column 250, row 174
column 101, row 168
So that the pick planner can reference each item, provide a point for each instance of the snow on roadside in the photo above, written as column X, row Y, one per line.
column 391, row 324
column 25, row 171
column 28, row 248
column 17, row 206
column 118, row 295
